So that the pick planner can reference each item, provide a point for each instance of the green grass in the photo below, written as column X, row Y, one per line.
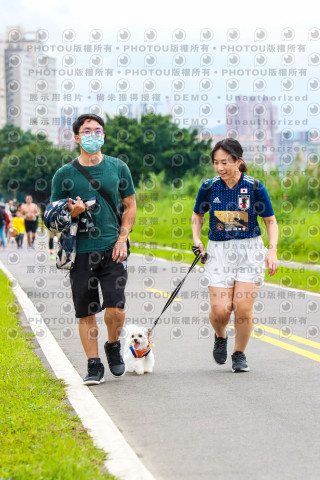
column 285, row 277
column 40, row 437
column 164, row 219
column 178, row 257
column 296, row 278
column 298, row 236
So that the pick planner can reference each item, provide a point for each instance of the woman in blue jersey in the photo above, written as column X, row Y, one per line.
column 236, row 256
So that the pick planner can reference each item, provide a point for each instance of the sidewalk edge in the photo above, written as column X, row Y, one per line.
column 122, row 461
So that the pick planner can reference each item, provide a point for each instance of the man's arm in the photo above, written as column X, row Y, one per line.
column 128, row 218
column 23, row 213
column 36, row 210
column 57, row 192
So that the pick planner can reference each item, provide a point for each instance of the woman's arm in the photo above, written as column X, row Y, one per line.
column 272, row 232
column 196, row 225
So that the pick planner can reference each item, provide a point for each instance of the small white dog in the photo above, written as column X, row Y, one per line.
column 138, row 354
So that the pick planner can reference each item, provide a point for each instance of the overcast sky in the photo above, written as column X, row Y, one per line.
column 181, row 13
column 274, row 16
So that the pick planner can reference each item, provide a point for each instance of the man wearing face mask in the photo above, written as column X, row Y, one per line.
column 102, row 252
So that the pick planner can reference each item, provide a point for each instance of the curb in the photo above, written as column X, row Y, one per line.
column 122, row 461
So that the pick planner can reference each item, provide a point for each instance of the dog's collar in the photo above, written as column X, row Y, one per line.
column 141, row 353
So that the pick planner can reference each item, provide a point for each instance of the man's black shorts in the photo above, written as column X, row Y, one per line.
column 31, row 225
column 89, row 270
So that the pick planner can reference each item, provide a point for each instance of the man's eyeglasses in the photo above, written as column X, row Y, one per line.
column 87, row 131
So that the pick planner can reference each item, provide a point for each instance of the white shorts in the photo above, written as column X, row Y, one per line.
column 241, row 260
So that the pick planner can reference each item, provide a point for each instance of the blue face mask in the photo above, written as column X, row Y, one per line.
column 92, row 143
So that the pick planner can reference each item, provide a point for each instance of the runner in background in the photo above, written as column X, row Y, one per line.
column 7, row 225
column 18, row 227
column 11, row 209
column 13, row 206
column 3, row 220
column 30, row 213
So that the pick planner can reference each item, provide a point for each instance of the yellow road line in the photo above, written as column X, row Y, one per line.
column 285, row 346
column 295, row 338
column 163, row 294
column 272, row 341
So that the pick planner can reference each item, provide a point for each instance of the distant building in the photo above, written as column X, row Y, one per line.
column 68, row 114
column 248, row 116
column 254, row 124
column 3, row 102
column 144, row 108
column 29, row 97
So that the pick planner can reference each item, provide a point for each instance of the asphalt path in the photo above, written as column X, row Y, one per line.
column 192, row 419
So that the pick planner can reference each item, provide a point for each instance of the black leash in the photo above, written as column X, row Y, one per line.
column 174, row 293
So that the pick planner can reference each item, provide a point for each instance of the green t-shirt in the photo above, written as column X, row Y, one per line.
column 115, row 178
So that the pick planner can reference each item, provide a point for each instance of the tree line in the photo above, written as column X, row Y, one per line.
column 150, row 146
column 154, row 144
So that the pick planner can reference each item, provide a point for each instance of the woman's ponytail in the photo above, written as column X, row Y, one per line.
column 243, row 167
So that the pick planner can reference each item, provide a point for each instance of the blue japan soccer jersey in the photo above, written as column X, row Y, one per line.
column 232, row 210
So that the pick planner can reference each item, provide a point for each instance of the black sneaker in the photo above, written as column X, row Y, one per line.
column 115, row 360
column 220, row 352
column 95, row 372
column 239, row 362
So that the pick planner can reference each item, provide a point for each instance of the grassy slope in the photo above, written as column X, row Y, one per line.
column 164, row 219
column 286, row 277
column 39, row 436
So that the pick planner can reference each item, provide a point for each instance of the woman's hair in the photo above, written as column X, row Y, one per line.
column 233, row 147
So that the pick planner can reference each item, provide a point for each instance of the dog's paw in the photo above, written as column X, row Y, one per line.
column 139, row 371
column 148, row 370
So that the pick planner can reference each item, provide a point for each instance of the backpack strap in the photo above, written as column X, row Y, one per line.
column 97, row 186
column 208, row 192
column 256, row 184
